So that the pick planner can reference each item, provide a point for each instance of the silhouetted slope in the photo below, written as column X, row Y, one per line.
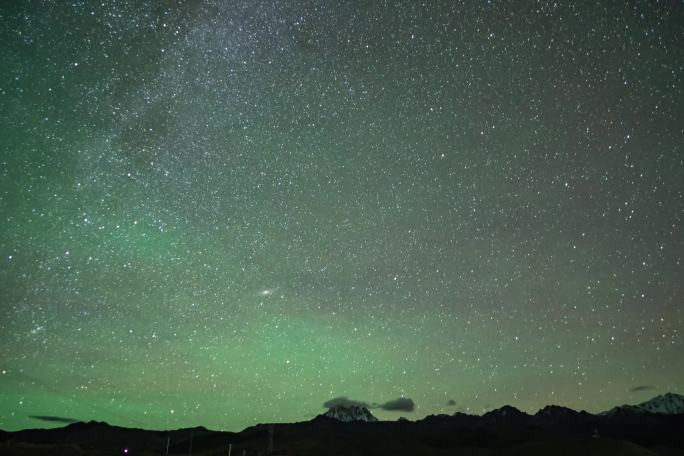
column 552, row 430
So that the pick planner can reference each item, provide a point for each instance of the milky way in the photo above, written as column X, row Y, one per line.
column 224, row 213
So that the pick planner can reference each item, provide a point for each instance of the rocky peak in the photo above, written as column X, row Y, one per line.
column 349, row 413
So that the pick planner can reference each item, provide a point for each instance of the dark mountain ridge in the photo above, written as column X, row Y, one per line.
column 506, row 430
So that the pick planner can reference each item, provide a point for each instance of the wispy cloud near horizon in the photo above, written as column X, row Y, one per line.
column 54, row 419
column 636, row 389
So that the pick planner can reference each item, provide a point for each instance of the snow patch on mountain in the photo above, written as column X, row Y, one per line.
column 668, row 404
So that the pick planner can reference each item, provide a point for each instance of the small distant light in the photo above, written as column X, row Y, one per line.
column 125, row 450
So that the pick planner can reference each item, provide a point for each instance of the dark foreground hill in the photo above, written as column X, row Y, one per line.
column 507, row 431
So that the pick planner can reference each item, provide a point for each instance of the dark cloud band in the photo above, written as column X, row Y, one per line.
column 402, row 404
column 641, row 388
column 345, row 402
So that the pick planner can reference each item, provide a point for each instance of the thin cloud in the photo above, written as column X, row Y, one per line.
column 345, row 402
column 54, row 419
column 636, row 389
column 403, row 404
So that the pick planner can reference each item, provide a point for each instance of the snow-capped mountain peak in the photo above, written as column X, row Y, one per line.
column 670, row 404
column 348, row 413
column 667, row 404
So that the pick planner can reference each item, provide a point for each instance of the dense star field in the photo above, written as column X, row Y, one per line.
column 221, row 213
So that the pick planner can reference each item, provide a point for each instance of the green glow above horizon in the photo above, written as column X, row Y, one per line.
column 226, row 219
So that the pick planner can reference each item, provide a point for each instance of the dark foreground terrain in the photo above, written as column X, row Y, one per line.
column 507, row 431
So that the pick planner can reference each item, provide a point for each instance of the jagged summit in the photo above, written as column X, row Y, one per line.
column 349, row 413
column 667, row 404
column 555, row 410
column 670, row 403
column 505, row 411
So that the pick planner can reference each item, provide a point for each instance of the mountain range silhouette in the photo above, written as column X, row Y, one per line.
column 651, row 428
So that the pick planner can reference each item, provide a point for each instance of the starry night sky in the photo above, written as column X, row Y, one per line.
column 221, row 213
